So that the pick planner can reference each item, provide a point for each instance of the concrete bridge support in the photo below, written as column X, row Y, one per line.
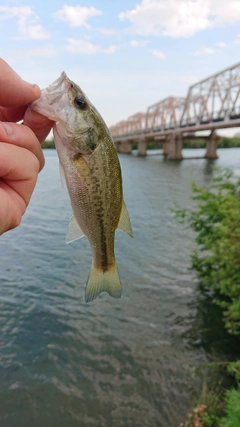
column 175, row 148
column 166, row 146
column 142, row 147
column 211, row 146
column 124, row 147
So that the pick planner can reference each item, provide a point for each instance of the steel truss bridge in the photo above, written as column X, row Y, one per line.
column 211, row 104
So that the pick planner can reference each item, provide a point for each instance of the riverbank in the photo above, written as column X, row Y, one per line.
column 224, row 142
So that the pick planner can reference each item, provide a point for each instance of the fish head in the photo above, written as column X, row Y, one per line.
column 78, row 124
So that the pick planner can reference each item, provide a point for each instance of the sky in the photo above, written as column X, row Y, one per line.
column 126, row 55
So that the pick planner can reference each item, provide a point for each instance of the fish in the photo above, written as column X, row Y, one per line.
column 90, row 167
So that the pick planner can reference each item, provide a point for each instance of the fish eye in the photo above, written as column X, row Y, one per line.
column 80, row 102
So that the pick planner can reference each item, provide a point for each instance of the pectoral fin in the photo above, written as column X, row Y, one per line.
column 124, row 221
column 82, row 168
column 74, row 231
column 62, row 174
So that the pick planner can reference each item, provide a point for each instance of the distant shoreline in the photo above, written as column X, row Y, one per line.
column 224, row 142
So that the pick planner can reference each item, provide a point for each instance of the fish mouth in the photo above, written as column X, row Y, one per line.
column 54, row 98
column 57, row 83
column 58, row 88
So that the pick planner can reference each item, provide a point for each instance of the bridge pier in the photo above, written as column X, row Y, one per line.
column 211, row 146
column 175, row 146
column 142, row 147
column 124, row 147
column 166, row 146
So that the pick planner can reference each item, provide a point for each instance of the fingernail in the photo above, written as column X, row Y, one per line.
column 30, row 84
column 35, row 87
column 8, row 128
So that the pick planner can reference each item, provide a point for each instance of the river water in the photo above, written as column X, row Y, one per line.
column 118, row 363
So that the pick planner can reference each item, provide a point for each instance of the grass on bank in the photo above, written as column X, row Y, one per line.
column 216, row 411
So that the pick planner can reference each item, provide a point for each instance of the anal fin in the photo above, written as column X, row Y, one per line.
column 74, row 232
column 124, row 221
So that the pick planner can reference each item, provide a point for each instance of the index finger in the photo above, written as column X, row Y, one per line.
column 14, row 91
column 39, row 124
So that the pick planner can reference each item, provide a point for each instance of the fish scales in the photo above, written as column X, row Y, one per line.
column 88, row 201
column 91, row 169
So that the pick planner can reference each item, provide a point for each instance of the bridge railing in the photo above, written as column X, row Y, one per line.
column 216, row 98
column 137, row 123
column 133, row 126
column 165, row 114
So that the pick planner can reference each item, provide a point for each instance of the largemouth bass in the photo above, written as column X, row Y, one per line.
column 91, row 169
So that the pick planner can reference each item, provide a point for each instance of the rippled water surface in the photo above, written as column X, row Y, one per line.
column 113, row 362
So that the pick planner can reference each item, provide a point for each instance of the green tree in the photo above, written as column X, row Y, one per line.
column 216, row 220
column 48, row 144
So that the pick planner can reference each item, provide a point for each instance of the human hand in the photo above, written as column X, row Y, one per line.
column 21, row 156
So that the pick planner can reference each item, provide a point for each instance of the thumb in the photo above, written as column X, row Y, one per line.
column 15, row 92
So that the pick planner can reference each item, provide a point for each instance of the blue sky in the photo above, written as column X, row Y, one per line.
column 126, row 55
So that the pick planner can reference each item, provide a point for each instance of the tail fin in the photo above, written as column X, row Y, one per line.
column 99, row 281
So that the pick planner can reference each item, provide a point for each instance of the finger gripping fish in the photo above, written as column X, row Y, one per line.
column 91, row 169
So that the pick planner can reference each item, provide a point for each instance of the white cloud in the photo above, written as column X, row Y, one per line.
column 34, row 32
column 12, row 12
column 77, row 16
column 135, row 43
column 107, row 31
column 204, row 51
column 158, row 53
column 180, row 18
column 81, row 46
column 84, row 47
column 27, row 22
column 221, row 44
column 110, row 49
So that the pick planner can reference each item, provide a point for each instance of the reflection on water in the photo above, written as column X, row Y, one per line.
column 110, row 363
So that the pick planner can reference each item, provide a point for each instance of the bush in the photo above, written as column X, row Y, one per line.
column 232, row 409
column 216, row 220
column 217, row 262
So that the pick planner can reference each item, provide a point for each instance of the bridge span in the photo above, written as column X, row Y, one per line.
column 211, row 104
